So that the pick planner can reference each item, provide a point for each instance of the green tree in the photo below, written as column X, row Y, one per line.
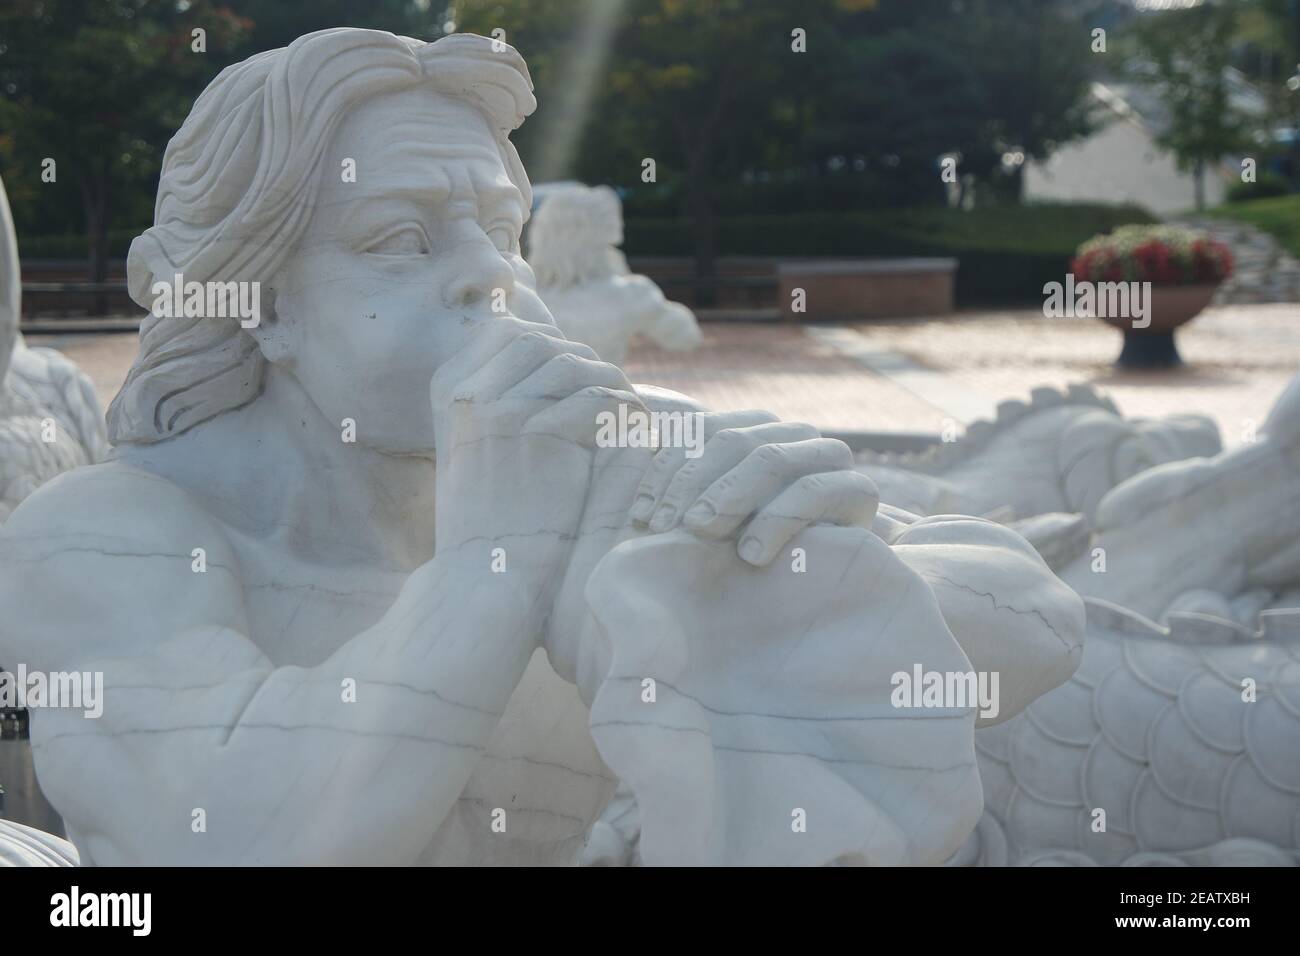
column 101, row 85
column 277, row 23
column 568, row 45
column 1185, row 54
column 1033, row 63
column 700, row 87
column 1269, row 35
column 98, row 86
column 921, row 102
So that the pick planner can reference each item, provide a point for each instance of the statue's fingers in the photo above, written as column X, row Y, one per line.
column 838, row 498
column 566, row 373
column 889, row 522
column 668, row 460
column 576, row 418
column 724, row 452
column 722, row 506
column 656, row 478
column 613, row 838
column 715, row 422
column 485, row 342
column 516, row 360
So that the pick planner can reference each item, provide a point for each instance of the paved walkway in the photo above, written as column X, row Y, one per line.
column 919, row 376
column 915, row 376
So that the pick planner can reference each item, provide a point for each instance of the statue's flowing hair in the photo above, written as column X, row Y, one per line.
column 239, row 181
column 566, row 245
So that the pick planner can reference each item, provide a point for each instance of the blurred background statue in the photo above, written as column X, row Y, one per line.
column 584, row 279
column 50, row 419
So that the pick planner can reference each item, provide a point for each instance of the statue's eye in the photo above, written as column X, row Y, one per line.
column 502, row 235
column 406, row 241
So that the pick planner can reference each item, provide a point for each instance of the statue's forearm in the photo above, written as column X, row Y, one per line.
column 356, row 759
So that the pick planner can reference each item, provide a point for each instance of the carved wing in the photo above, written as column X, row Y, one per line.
column 53, row 382
column 23, row 846
column 27, row 462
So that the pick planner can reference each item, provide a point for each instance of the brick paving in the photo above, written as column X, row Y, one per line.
column 779, row 368
column 1238, row 360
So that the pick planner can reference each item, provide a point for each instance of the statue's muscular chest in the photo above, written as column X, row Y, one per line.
column 300, row 612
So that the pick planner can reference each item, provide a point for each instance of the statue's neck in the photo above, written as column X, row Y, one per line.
column 277, row 469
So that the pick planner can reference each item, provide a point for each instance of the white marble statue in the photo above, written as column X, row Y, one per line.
column 1182, row 724
column 23, row 846
column 365, row 585
column 50, row 419
column 584, row 279
column 1060, row 452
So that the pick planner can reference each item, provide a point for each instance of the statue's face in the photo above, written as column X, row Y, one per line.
column 395, row 269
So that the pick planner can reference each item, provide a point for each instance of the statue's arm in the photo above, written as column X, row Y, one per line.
column 205, row 751
column 646, row 299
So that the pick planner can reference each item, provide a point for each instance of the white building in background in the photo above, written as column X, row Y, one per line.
column 1121, row 162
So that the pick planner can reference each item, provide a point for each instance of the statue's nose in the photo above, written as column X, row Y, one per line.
column 479, row 278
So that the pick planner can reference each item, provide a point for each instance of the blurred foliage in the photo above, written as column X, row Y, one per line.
column 98, row 86
column 1279, row 216
column 736, row 121
column 1268, row 53
column 1055, row 228
column 885, row 87
column 1185, row 56
column 1266, row 185
column 1002, row 250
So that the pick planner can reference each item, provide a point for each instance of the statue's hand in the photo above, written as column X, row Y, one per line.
column 778, row 477
column 613, row 839
column 515, row 415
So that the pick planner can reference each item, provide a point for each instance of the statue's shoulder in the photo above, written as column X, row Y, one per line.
column 113, row 505
column 104, row 558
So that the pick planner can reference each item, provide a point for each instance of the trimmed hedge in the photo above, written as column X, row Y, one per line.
column 1266, row 186
column 1280, row 217
column 1005, row 253
column 74, row 246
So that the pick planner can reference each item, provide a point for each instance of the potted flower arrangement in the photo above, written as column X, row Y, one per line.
column 1184, row 268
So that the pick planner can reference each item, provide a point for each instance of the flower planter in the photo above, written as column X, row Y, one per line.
column 1183, row 268
column 1170, row 307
